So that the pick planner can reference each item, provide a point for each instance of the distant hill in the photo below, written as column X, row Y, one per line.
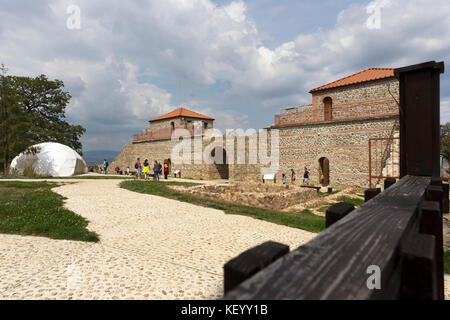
column 97, row 156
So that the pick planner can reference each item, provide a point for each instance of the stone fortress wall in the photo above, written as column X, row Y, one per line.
column 344, row 144
column 359, row 112
column 307, row 137
column 230, row 168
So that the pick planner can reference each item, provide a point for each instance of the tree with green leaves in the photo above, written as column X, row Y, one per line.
column 445, row 129
column 32, row 110
column 14, row 125
column 45, row 103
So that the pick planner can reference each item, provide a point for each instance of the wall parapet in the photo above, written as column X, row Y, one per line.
column 161, row 134
column 309, row 115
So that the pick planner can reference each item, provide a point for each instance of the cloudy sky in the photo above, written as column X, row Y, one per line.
column 238, row 61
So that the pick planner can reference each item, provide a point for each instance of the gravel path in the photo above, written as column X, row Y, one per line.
column 150, row 248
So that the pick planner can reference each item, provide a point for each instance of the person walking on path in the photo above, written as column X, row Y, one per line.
column 146, row 170
column 160, row 167
column 306, row 176
column 293, row 176
column 138, row 167
column 166, row 171
column 105, row 166
column 156, row 169
column 284, row 178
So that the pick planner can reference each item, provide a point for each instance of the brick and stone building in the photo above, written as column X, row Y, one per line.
column 330, row 136
column 155, row 143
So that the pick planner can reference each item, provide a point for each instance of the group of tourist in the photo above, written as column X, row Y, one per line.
column 294, row 177
column 116, row 169
column 143, row 169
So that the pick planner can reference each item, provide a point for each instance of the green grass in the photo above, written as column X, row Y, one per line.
column 324, row 206
column 354, row 201
column 74, row 177
column 326, row 194
column 305, row 219
column 22, row 177
column 31, row 208
column 447, row 261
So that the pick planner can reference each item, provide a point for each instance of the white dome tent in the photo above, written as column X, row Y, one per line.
column 51, row 159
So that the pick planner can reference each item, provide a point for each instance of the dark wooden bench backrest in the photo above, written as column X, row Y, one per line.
column 335, row 264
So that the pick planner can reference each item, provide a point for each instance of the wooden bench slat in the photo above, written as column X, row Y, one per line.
column 334, row 264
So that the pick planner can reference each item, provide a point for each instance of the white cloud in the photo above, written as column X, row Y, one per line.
column 445, row 110
column 122, row 65
column 143, row 99
column 236, row 11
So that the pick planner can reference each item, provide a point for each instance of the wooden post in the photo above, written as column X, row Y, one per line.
column 418, row 268
column 250, row 262
column 336, row 212
column 388, row 182
column 431, row 223
column 434, row 193
column 371, row 193
column 436, row 181
column 420, row 119
column 445, row 207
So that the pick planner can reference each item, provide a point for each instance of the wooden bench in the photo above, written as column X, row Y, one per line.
column 311, row 187
column 399, row 231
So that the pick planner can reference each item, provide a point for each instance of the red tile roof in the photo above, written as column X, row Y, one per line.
column 362, row 76
column 182, row 112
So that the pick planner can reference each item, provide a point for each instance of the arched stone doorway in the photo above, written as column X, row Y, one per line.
column 221, row 163
column 327, row 109
column 324, row 171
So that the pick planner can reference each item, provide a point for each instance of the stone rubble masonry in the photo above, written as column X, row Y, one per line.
column 344, row 143
column 179, row 123
column 161, row 150
column 360, row 93
column 275, row 197
column 371, row 99
column 162, row 129
column 359, row 112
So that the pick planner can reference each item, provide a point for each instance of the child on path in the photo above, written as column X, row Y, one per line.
column 306, row 176
column 166, row 171
column 138, row 166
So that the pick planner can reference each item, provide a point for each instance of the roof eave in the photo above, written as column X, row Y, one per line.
column 179, row 116
column 349, row 84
